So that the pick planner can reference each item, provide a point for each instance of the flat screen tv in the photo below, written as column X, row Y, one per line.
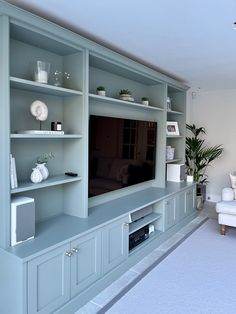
column 121, row 153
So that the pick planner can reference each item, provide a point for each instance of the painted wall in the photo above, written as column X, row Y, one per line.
column 216, row 111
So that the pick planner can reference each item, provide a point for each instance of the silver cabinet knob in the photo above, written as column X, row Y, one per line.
column 126, row 224
column 75, row 250
column 69, row 254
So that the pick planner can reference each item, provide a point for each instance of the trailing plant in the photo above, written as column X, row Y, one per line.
column 44, row 158
column 125, row 91
column 198, row 156
column 100, row 88
column 145, row 98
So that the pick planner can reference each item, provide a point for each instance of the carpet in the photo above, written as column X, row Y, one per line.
column 198, row 277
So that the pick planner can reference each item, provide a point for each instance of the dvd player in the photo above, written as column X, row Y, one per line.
column 138, row 237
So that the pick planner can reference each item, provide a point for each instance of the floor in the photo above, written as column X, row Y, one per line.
column 112, row 293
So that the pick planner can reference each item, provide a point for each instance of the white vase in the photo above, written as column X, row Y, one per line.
column 36, row 176
column 44, row 170
column 145, row 102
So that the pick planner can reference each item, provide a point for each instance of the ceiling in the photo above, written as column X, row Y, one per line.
column 193, row 41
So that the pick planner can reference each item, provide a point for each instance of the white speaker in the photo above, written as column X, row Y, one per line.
column 175, row 172
column 22, row 219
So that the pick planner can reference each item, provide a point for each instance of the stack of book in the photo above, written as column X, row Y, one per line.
column 14, row 183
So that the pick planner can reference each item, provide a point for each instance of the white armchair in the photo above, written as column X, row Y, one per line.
column 226, row 210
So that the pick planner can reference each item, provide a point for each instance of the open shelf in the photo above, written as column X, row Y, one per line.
column 152, row 236
column 122, row 102
column 173, row 160
column 48, row 136
column 136, row 225
column 174, row 112
column 52, row 181
column 174, row 136
column 32, row 86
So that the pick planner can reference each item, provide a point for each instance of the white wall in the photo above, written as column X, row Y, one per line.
column 216, row 111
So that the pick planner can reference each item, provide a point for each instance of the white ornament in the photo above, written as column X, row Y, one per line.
column 36, row 176
column 43, row 170
column 39, row 110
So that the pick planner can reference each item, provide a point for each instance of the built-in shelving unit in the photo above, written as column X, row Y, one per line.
column 177, row 114
column 66, row 218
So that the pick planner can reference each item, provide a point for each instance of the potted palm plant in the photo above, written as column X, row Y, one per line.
column 198, row 157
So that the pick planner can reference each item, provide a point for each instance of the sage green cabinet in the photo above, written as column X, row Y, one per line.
column 85, row 262
column 181, row 207
column 115, row 244
column 61, row 274
column 190, row 200
column 49, row 281
column 170, row 212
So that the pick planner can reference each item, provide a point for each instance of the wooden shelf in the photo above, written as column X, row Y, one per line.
column 122, row 102
column 136, row 225
column 32, row 86
column 52, row 181
column 48, row 136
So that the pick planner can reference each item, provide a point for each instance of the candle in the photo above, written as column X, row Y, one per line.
column 42, row 76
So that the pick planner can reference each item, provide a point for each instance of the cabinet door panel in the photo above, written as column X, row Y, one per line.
column 85, row 262
column 190, row 200
column 181, row 208
column 170, row 212
column 49, row 281
column 115, row 244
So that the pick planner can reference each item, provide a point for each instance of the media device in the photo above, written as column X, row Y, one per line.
column 138, row 237
column 175, row 172
column 141, row 213
column 121, row 153
column 22, row 219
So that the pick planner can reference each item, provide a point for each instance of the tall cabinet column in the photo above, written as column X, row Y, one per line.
column 4, row 133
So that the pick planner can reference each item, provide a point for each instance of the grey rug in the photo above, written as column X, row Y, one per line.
column 199, row 277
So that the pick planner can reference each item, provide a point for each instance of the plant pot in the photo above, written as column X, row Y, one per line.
column 145, row 102
column 189, row 178
column 199, row 202
column 201, row 190
column 101, row 92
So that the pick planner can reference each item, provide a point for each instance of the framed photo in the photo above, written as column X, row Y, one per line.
column 172, row 128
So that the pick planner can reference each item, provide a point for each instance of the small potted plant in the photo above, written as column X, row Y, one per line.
column 145, row 101
column 101, row 91
column 125, row 94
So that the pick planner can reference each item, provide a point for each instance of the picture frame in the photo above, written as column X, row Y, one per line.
column 172, row 128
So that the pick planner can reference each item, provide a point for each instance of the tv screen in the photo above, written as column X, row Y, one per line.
column 121, row 153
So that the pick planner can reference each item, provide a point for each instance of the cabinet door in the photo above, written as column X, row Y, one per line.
column 49, row 281
column 85, row 261
column 181, row 207
column 115, row 244
column 190, row 200
column 170, row 212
